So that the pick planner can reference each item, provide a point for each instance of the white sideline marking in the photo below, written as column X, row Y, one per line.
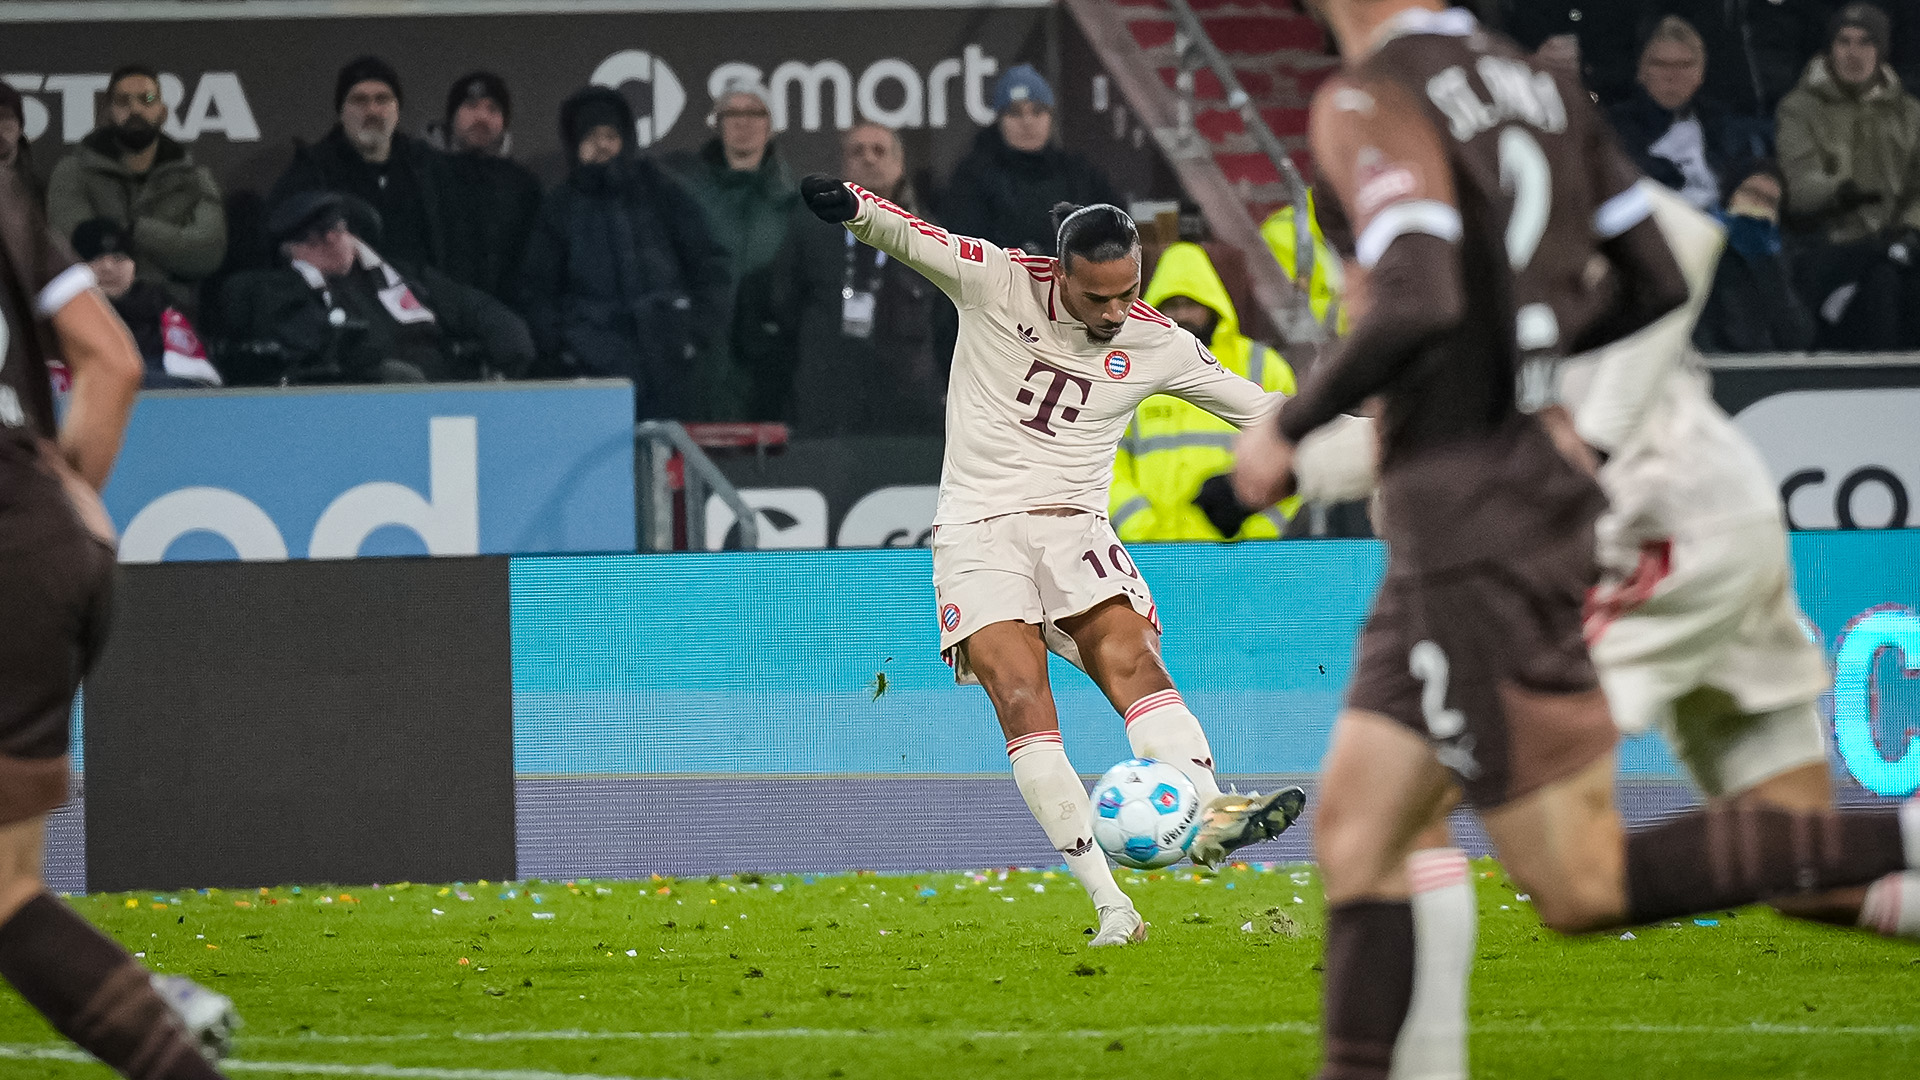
column 320, row 1068
column 1280, row 1028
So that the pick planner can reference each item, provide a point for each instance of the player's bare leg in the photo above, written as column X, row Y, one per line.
column 1121, row 651
column 88, row 987
column 1010, row 660
column 1381, row 791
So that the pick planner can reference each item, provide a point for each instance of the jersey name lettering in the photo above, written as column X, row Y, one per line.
column 1518, row 92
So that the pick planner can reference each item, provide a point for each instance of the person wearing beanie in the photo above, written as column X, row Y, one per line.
column 622, row 278
column 168, row 343
column 1005, row 188
column 366, row 155
column 751, row 203
column 1849, row 147
column 491, row 200
column 129, row 171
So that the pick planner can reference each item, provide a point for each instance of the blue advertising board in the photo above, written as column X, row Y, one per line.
column 769, row 663
column 335, row 473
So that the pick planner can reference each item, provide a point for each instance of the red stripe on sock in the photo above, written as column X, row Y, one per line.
column 1151, row 702
column 1431, row 870
column 1036, row 738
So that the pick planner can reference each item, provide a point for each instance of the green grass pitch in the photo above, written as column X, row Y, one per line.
column 978, row 975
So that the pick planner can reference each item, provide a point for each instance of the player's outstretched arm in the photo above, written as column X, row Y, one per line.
column 969, row 271
column 106, row 370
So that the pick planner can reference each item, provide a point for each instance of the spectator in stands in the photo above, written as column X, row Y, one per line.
column 1281, row 230
column 16, row 150
column 865, row 341
column 1759, row 48
column 128, row 171
column 1754, row 306
column 1005, row 188
column 1673, row 136
column 1595, row 37
column 491, row 200
column 621, row 277
column 1850, row 152
column 366, row 156
column 339, row 313
column 172, row 350
column 1171, row 477
column 751, row 204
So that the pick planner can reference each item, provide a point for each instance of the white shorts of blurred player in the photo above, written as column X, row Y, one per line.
column 1037, row 567
column 1713, row 611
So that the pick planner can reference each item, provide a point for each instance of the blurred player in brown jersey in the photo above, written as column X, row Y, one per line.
column 1485, row 193
column 56, row 571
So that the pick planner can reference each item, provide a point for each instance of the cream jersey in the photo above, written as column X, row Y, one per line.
column 1036, row 409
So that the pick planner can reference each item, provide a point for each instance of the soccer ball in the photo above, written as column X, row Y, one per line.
column 1144, row 813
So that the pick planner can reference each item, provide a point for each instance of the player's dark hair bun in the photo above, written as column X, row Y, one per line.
column 1097, row 233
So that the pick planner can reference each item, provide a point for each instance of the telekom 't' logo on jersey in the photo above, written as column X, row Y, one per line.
column 1055, row 389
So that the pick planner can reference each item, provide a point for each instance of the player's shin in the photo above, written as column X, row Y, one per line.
column 95, row 994
column 1433, row 1041
column 1369, row 986
column 1059, row 803
column 1724, row 857
column 1160, row 726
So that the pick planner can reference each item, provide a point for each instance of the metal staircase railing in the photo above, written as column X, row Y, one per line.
column 657, row 441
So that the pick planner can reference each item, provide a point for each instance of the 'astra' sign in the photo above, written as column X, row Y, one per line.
column 217, row 106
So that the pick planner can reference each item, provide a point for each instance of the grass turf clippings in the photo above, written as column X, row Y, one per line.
column 978, row 974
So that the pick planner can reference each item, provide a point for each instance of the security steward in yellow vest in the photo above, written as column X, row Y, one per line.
column 1173, row 449
column 1282, row 233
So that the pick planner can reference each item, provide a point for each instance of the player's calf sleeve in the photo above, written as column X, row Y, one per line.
column 1159, row 726
column 1724, row 857
column 1059, row 803
column 1892, row 906
column 1369, row 986
column 95, row 994
column 1433, row 1041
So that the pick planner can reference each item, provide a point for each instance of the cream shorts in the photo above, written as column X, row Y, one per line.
column 1036, row 568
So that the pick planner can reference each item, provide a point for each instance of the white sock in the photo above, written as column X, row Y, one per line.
column 1910, row 830
column 1160, row 727
column 1059, row 803
column 1433, row 1041
column 1892, row 907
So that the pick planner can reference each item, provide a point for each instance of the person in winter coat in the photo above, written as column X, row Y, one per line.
column 621, row 277
column 1005, row 189
column 1758, row 48
column 366, row 156
column 16, row 150
column 1173, row 451
column 129, row 172
column 171, row 349
column 491, row 200
column 751, row 204
column 866, row 341
column 1754, row 306
column 1849, row 139
column 1673, row 136
column 335, row 311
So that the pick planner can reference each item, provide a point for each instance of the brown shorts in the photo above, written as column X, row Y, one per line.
column 1487, row 662
column 57, row 577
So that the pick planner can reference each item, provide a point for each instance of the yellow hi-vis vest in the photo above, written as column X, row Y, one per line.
column 1282, row 235
column 1171, row 447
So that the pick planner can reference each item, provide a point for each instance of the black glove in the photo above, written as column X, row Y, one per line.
column 830, row 200
column 1849, row 196
column 1222, row 507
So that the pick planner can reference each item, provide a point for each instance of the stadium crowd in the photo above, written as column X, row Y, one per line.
column 381, row 256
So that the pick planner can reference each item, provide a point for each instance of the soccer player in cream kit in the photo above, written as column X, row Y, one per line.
column 1052, row 359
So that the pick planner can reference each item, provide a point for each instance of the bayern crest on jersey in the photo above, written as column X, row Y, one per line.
column 1118, row 364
